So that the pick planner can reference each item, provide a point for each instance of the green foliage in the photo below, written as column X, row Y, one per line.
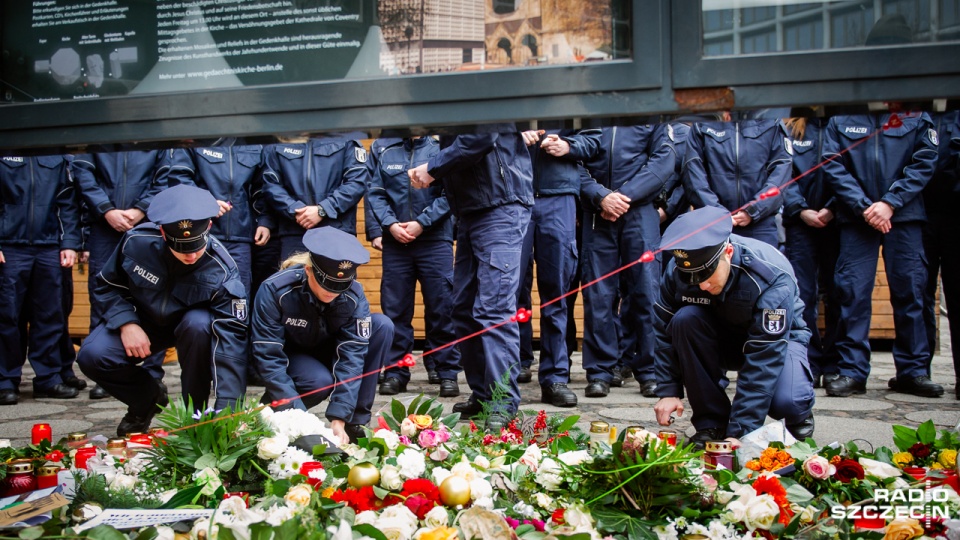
column 93, row 489
column 420, row 406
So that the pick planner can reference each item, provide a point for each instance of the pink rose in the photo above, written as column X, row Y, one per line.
column 443, row 435
column 428, row 438
column 404, row 440
column 819, row 467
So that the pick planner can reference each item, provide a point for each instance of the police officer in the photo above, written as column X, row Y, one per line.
column 313, row 332
column 730, row 164
column 117, row 188
column 730, row 303
column 551, row 241
column 488, row 181
column 40, row 234
column 169, row 283
column 417, row 248
column 232, row 174
column 621, row 223
column 878, row 164
column 315, row 183
column 813, row 240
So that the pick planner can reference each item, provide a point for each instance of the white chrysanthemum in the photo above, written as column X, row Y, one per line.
column 411, row 464
column 668, row 532
column 294, row 423
column 288, row 464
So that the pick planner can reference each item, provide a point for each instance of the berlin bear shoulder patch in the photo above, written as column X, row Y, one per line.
column 364, row 327
column 774, row 321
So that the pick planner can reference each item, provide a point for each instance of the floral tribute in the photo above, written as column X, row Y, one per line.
column 427, row 476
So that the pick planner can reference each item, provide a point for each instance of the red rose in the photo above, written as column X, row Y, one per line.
column 55, row 455
column 422, row 487
column 920, row 450
column 557, row 516
column 419, row 505
column 847, row 470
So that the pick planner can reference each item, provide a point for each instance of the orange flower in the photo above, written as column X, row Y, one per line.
column 753, row 465
column 766, row 462
column 834, row 460
column 784, row 457
column 422, row 421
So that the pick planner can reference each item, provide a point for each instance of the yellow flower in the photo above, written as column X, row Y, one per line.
column 327, row 493
column 948, row 458
column 440, row 533
column 422, row 421
column 903, row 529
column 902, row 459
column 936, row 465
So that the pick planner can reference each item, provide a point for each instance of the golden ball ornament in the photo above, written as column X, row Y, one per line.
column 363, row 475
column 455, row 491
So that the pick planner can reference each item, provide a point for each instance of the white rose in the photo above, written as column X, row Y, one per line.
column 164, row 533
column 544, row 501
column 391, row 439
column 879, row 469
column 578, row 517
column 722, row 496
column 397, row 522
column 299, row 494
column 390, row 478
column 272, row 447
column 480, row 488
column 123, row 482
column 481, row 462
column 736, row 512
column 209, row 479
column 436, row 517
column 484, row 502
column 807, row 514
column 574, row 458
column 411, row 463
column 408, row 428
column 438, row 475
column 531, row 457
column 367, row 517
column 279, row 514
column 464, row 470
column 761, row 512
column 548, row 475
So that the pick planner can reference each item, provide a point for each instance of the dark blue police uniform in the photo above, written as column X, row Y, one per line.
column 201, row 308
column 635, row 161
column 231, row 174
column 428, row 259
column 874, row 160
column 729, row 164
column 39, row 218
column 303, row 345
column 488, row 181
column 813, row 251
column 940, row 239
column 115, row 181
column 754, row 326
column 329, row 173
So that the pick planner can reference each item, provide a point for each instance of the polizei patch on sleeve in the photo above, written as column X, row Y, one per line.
column 363, row 327
column 240, row 309
column 774, row 321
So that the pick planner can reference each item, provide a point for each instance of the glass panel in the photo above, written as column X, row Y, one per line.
column 768, row 26
column 76, row 49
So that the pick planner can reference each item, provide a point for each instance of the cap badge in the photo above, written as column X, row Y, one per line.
column 185, row 224
column 680, row 254
column 345, row 265
column 340, row 274
column 686, row 264
column 186, row 234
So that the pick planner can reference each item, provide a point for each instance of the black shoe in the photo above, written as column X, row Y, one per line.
column 8, row 397
column 525, row 376
column 355, row 432
column 700, row 438
column 558, row 395
column 821, row 381
column 57, row 391
column 918, row 386
column 97, row 392
column 433, row 377
column 381, row 377
column 75, row 382
column 845, row 386
column 616, row 381
column 469, row 408
column 140, row 423
column 648, row 388
column 597, row 388
column 392, row 386
column 626, row 372
column 449, row 388
column 803, row 429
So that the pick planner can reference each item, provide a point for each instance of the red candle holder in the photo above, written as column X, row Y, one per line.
column 306, row 467
column 40, row 432
column 242, row 494
column 82, row 455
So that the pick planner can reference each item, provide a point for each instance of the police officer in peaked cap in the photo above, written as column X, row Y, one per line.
column 730, row 303
column 314, row 335
column 169, row 283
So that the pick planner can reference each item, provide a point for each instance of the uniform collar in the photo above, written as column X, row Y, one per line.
column 734, row 271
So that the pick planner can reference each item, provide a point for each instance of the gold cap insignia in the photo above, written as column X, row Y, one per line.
column 345, row 265
column 339, row 274
column 186, row 234
column 686, row 264
column 185, row 224
column 680, row 254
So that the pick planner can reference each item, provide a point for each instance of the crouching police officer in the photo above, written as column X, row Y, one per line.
column 729, row 302
column 169, row 283
column 312, row 330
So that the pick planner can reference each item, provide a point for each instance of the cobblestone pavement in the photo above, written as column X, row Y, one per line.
column 867, row 417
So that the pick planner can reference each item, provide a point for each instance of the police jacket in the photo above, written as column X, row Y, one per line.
column 230, row 174
column 484, row 170
column 392, row 199
column 118, row 180
column 759, row 304
column 810, row 189
column 672, row 199
column 943, row 192
column 287, row 316
column 560, row 175
column 729, row 164
column 331, row 173
column 38, row 205
column 891, row 165
column 143, row 283
column 634, row 160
